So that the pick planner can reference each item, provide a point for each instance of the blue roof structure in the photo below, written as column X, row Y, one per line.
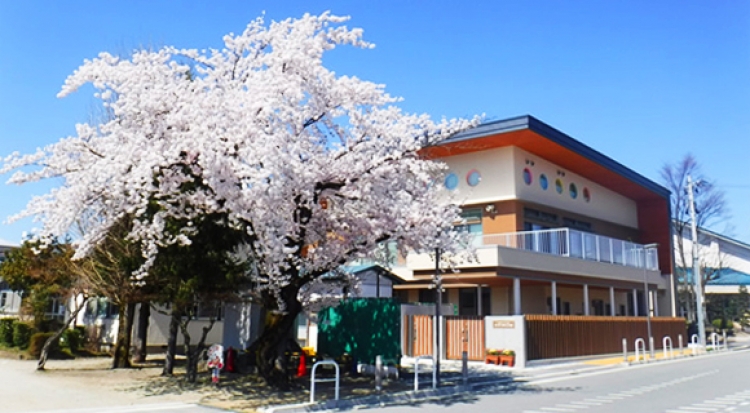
column 726, row 276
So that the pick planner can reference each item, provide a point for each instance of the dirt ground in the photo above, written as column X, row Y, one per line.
column 90, row 383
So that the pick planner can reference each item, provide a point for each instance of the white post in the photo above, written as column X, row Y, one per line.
column 635, row 302
column 554, row 297
column 624, row 350
column 516, row 296
column 612, row 306
column 586, row 310
column 697, row 277
column 655, row 295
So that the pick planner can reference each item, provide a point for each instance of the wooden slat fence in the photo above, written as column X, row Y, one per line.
column 569, row 336
column 464, row 333
column 421, row 335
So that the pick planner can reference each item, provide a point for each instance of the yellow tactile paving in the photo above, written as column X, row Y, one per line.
column 617, row 360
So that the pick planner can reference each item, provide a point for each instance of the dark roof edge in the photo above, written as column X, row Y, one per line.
column 541, row 128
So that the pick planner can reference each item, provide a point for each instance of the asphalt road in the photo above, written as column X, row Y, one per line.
column 711, row 384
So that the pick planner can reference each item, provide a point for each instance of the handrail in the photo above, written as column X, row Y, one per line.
column 416, row 372
column 667, row 343
column 643, row 346
column 313, row 381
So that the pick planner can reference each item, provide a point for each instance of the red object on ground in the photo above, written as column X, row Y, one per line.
column 230, row 360
column 302, row 369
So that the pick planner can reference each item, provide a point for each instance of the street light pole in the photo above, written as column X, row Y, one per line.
column 438, row 304
column 647, row 300
column 697, row 278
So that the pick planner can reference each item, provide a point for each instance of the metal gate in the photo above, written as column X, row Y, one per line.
column 464, row 333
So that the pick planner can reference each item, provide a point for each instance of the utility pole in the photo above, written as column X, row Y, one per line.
column 697, row 277
column 439, row 301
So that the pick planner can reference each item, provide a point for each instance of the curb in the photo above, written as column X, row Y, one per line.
column 446, row 392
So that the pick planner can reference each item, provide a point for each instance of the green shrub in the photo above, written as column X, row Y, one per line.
column 718, row 323
column 6, row 331
column 22, row 334
column 72, row 340
column 36, row 343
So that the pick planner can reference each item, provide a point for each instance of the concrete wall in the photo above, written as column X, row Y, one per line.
column 508, row 333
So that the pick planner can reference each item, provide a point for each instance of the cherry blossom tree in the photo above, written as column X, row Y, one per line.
column 315, row 168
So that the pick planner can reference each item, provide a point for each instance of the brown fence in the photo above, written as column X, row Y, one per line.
column 421, row 335
column 550, row 336
column 464, row 333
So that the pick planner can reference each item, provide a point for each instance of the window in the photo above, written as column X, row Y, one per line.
column 208, row 310
column 3, row 299
column 473, row 177
column 468, row 303
column 543, row 181
column 573, row 189
column 471, row 222
column 558, row 186
column 527, row 177
column 102, row 308
column 451, row 181
column 428, row 296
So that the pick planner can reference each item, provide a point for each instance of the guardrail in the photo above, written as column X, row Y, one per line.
column 313, row 380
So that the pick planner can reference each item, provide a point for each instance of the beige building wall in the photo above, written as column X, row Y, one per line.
column 496, row 169
column 604, row 204
column 501, row 301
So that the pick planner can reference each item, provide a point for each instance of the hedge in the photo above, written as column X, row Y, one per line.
column 6, row 331
column 36, row 344
column 22, row 334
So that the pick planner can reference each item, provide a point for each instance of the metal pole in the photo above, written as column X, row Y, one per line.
column 697, row 278
column 647, row 303
column 465, row 367
column 438, row 315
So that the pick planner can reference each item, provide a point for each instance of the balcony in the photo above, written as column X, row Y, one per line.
column 551, row 250
column 566, row 242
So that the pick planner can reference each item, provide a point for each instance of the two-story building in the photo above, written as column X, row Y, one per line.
column 10, row 301
column 558, row 227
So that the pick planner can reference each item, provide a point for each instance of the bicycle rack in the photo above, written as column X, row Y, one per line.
column 667, row 344
column 643, row 347
column 313, row 381
column 416, row 372
column 714, row 340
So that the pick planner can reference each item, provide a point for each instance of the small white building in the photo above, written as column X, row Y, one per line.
column 10, row 301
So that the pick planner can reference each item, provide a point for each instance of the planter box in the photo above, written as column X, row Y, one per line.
column 509, row 361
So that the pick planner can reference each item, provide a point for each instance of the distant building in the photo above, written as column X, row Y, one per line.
column 10, row 301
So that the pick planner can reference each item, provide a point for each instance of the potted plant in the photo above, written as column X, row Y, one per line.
column 492, row 356
column 508, row 357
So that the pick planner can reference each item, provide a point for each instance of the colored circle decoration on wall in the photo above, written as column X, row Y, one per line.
column 473, row 177
column 573, row 189
column 527, row 177
column 558, row 186
column 543, row 181
column 586, row 195
column 451, row 181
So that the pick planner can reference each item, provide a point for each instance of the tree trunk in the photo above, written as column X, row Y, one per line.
column 272, row 344
column 193, row 355
column 174, row 326
column 144, row 315
column 121, row 357
column 48, row 344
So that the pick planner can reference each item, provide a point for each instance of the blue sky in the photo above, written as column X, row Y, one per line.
column 642, row 82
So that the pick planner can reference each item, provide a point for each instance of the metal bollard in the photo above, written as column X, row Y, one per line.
column 651, row 354
column 724, row 333
column 624, row 350
column 680, row 340
column 465, row 367
column 378, row 373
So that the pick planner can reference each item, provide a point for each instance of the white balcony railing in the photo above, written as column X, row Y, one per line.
column 568, row 242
